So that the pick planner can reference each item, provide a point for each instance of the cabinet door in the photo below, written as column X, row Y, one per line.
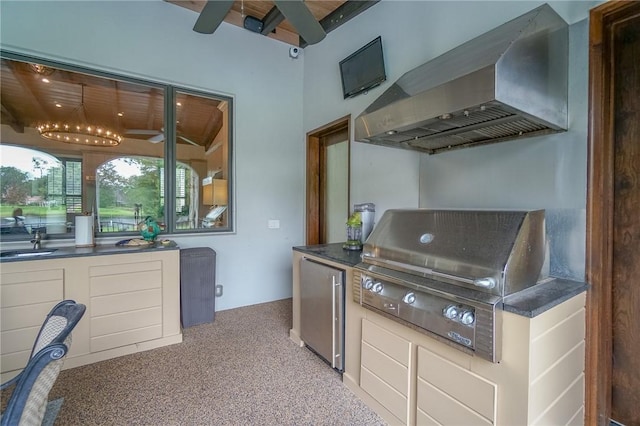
column 384, row 372
column 126, row 303
column 26, row 299
column 447, row 394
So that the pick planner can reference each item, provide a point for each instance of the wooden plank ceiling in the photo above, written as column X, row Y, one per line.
column 33, row 94
column 329, row 13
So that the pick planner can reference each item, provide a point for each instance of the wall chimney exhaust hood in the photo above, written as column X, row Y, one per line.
column 508, row 83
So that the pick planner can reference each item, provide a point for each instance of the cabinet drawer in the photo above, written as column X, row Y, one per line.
column 386, row 342
column 113, row 270
column 36, row 287
column 388, row 397
column 32, row 276
column 25, row 316
column 442, row 383
column 423, row 419
column 117, row 323
column 114, row 284
column 123, row 302
column 384, row 370
column 444, row 409
column 387, row 369
column 111, row 341
column 21, row 340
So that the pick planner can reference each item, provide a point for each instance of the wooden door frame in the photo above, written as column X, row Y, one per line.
column 316, row 168
column 600, row 194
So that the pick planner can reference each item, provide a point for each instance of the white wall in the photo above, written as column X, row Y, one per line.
column 154, row 40
column 545, row 173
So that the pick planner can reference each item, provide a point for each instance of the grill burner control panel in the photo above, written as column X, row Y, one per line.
column 461, row 314
column 447, row 316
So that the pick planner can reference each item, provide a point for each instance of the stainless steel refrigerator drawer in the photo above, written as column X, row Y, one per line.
column 322, row 310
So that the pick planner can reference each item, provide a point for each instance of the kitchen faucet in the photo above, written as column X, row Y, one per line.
column 37, row 240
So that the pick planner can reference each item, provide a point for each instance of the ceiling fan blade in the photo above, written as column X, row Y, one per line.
column 299, row 15
column 142, row 132
column 187, row 140
column 157, row 138
column 212, row 15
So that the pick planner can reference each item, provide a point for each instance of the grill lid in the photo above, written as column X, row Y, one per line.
column 499, row 252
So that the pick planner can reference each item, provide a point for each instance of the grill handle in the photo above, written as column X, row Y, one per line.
column 488, row 282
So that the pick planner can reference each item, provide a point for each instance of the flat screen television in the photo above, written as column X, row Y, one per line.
column 363, row 69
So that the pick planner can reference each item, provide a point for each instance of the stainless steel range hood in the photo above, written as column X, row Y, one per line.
column 508, row 83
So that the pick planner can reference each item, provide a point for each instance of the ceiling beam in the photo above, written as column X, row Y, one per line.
column 30, row 93
column 349, row 9
column 9, row 117
column 272, row 19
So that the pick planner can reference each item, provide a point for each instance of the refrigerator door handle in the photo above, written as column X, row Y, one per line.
column 333, row 316
column 337, row 311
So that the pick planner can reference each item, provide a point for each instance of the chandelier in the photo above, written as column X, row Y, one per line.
column 80, row 133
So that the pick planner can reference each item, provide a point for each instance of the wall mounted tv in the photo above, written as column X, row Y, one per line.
column 363, row 69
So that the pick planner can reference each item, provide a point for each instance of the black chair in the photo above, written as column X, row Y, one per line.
column 28, row 401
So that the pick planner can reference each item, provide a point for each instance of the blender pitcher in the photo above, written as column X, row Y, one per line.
column 354, row 232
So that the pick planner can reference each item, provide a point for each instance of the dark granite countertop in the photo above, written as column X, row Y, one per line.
column 542, row 297
column 100, row 250
column 529, row 303
column 333, row 252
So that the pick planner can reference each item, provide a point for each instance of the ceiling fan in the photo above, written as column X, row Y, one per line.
column 157, row 136
column 295, row 11
column 302, row 20
column 212, row 15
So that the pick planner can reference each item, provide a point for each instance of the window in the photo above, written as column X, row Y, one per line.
column 174, row 148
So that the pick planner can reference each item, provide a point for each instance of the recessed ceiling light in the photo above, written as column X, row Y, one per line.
column 58, row 105
column 120, row 114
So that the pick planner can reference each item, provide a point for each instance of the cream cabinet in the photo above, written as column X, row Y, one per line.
column 126, row 303
column 447, row 393
column 133, row 304
column 410, row 378
column 384, row 373
column 25, row 299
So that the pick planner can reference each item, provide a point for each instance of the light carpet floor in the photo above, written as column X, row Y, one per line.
column 242, row 369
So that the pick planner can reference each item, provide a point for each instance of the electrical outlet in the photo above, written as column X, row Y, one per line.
column 219, row 290
column 273, row 224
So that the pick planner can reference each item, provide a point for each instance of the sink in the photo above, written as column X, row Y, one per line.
column 26, row 253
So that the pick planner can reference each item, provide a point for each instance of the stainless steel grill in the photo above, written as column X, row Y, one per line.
column 446, row 272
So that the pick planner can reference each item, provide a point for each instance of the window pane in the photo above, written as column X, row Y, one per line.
column 128, row 190
column 202, row 183
column 102, row 138
column 32, row 185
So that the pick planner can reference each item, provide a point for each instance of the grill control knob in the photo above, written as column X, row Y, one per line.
column 467, row 318
column 409, row 298
column 450, row 312
column 367, row 282
column 377, row 287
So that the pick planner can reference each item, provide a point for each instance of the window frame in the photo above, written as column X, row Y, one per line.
column 170, row 145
